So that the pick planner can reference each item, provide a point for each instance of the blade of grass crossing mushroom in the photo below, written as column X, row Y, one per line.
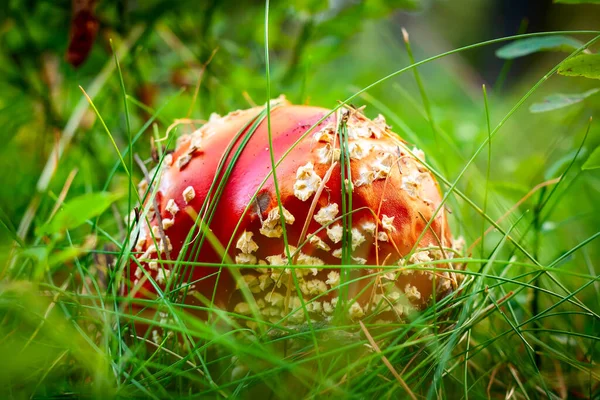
column 209, row 207
column 342, row 134
column 270, row 140
column 278, row 193
column 207, row 204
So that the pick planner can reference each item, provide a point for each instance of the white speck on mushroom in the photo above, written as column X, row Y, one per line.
column 358, row 131
column 327, row 153
column 389, row 276
column 138, row 272
column 382, row 165
column 172, row 207
column 412, row 292
column 140, row 244
column 365, row 177
column 314, row 307
column 280, row 275
column 359, row 149
column 304, row 259
column 164, row 247
column 420, row 257
column 411, row 182
column 242, row 308
column 275, row 299
column 382, row 237
column 277, row 260
column 458, row 244
column 369, row 227
column 319, row 243
column 418, row 153
column 168, row 160
column 162, row 275
column 378, row 126
column 327, row 214
column 313, row 287
column 196, row 143
column 388, row 223
column 333, row 278
column 357, row 238
column 246, row 244
column 356, row 311
column 324, row 135
column 264, row 281
column 271, row 226
column 167, row 223
column 153, row 265
column 149, row 251
column 307, row 182
column 337, row 253
column 359, row 260
column 334, row 301
column 245, row 258
column 297, row 316
column 444, row 282
column 327, row 307
column 155, row 231
column 142, row 187
column 214, row 117
column 251, row 282
column 334, row 232
column 188, row 194
column 183, row 160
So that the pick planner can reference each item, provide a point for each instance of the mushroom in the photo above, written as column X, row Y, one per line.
column 392, row 196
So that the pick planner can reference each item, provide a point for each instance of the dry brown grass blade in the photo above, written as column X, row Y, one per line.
column 63, row 193
column 386, row 361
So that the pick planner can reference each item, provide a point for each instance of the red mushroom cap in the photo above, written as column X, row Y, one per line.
column 393, row 197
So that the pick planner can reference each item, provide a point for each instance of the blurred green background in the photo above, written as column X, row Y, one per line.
column 320, row 53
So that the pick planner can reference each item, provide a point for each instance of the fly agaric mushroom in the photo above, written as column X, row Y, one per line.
column 213, row 179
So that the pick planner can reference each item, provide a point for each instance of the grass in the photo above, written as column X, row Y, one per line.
column 524, row 322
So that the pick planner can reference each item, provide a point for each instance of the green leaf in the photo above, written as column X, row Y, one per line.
column 586, row 65
column 577, row 1
column 561, row 100
column 523, row 47
column 593, row 161
column 80, row 209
